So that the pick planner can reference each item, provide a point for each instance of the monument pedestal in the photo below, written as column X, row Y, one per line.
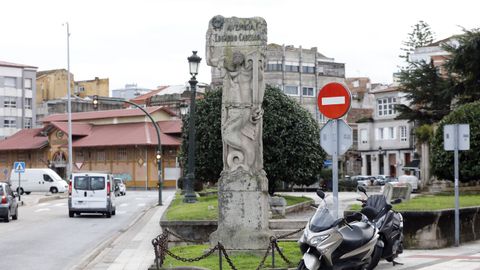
column 243, row 211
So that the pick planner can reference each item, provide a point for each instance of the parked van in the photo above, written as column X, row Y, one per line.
column 39, row 180
column 410, row 179
column 91, row 192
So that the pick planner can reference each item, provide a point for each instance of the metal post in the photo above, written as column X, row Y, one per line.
column 219, row 256
column 190, row 196
column 335, row 168
column 273, row 254
column 457, row 203
column 19, row 196
column 69, row 109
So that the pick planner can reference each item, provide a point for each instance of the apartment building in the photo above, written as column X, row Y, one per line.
column 17, row 90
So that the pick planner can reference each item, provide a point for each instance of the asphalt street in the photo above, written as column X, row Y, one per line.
column 44, row 237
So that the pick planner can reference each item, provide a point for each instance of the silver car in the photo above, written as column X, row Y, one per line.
column 8, row 203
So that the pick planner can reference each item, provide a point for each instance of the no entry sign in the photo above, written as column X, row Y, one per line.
column 334, row 100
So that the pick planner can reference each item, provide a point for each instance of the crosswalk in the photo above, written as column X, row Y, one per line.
column 45, row 207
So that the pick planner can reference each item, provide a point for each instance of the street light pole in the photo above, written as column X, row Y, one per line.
column 69, row 108
column 190, row 196
column 158, row 153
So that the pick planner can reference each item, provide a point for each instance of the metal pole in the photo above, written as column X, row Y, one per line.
column 159, row 146
column 457, row 203
column 335, row 168
column 219, row 257
column 273, row 254
column 19, row 196
column 69, row 109
column 190, row 196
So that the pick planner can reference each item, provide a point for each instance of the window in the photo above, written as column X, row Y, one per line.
column 386, row 106
column 97, row 183
column 381, row 133
column 291, row 67
column 10, row 102
column 291, row 90
column 27, row 83
column 403, row 133
column 11, row 82
column 308, row 91
column 101, row 156
column 391, row 133
column 122, row 154
column 9, row 122
column 364, row 136
column 81, row 182
column 47, row 178
column 308, row 68
column 356, row 83
column 28, row 123
column 28, row 103
column 89, row 183
column 274, row 66
column 79, row 156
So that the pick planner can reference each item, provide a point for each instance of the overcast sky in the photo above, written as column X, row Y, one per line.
column 148, row 42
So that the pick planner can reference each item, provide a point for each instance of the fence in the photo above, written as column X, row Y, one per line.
column 160, row 246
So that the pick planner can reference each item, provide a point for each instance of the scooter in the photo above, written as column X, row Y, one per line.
column 345, row 243
column 389, row 224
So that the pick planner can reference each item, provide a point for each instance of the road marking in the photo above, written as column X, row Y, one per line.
column 123, row 205
column 333, row 100
column 42, row 204
column 121, row 212
column 59, row 204
column 42, row 210
column 141, row 204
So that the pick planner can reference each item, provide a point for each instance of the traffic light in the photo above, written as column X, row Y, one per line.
column 95, row 102
column 158, row 156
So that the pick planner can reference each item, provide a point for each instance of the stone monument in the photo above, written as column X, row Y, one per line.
column 237, row 47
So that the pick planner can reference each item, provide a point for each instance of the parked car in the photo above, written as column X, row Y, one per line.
column 91, row 192
column 8, row 203
column 410, row 179
column 120, row 188
column 364, row 180
column 40, row 179
column 383, row 179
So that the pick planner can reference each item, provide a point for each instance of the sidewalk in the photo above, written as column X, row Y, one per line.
column 133, row 249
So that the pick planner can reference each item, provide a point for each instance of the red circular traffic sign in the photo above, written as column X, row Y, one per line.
column 334, row 100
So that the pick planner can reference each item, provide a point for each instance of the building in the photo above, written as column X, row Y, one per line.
column 386, row 145
column 52, row 84
column 434, row 53
column 123, row 142
column 130, row 91
column 299, row 72
column 88, row 88
column 17, row 90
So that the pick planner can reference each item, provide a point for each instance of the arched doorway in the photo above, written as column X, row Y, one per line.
column 59, row 164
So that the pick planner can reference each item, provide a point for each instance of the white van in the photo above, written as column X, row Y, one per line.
column 38, row 180
column 91, row 192
column 410, row 179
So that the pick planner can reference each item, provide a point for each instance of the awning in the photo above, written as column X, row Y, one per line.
column 413, row 165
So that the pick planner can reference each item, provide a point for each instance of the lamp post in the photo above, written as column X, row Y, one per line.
column 380, row 160
column 190, row 197
column 69, row 108
column 158, row 153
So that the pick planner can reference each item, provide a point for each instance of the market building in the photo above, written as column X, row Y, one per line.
column 123, row 142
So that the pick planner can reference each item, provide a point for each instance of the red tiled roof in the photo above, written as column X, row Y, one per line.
column 105, row 114
column 78, row 129
column 172, row 126
column 355, row 114
column 25, row 139
column 8, row 64
column 142, row 133
column 142, row 98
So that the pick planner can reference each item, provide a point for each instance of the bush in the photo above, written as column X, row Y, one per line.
column 347, row 185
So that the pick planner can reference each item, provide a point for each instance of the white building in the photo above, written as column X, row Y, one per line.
column 17, row 90
column 130, row 91
column 386, row 144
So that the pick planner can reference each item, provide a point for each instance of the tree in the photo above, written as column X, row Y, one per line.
column 465, row 65
column 428, row 93
column 291, row 144
column 420, row 36
column 442, row 161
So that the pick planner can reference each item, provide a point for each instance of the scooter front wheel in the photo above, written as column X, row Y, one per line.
column 301, row 265
column 377, row 254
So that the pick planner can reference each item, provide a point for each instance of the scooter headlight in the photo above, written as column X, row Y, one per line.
column 318, row 240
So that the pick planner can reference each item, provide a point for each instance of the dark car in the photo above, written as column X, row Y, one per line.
column 8, row 203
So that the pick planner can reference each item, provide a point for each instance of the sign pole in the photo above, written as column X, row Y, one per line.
column 335, row 168
column 19, row 196
column 457, row 203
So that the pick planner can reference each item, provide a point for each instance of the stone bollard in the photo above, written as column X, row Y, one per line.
column 277, row 206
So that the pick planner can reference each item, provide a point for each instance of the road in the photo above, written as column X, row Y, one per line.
column 44, row 237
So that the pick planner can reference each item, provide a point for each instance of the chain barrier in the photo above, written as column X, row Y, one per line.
column 160, row 245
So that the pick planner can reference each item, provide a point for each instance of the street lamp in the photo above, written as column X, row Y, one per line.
column 380, row 160
column 183, row 106
column 190, row 197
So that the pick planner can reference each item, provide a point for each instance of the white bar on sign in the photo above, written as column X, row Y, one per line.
column 333, row 100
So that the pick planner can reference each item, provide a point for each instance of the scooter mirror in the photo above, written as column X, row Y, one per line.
column 320, row 194
column 362, row 189
column 396, row 201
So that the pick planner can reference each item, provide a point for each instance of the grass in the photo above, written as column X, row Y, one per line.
column 242, row 261
column 206, row 208
column 433, row 202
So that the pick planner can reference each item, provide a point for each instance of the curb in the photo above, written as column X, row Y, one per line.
column 51, row 198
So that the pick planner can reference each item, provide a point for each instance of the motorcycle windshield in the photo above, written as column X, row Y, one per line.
column 377, row 201
column 321, row 221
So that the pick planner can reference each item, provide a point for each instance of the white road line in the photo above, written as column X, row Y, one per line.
column 42, row 210
column 333, row 100
column 141, row 204
column 121, row 212
column 59, row 204
column 123, row 205
column 42, row 204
